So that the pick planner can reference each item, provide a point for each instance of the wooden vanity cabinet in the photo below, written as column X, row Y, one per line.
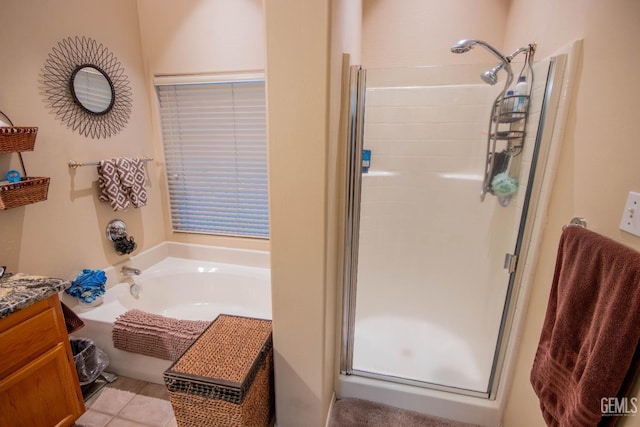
column 38, row 380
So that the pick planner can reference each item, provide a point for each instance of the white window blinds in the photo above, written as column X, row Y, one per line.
column 216, row 156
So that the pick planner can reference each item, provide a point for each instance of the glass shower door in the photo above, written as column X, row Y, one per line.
column 429, row 283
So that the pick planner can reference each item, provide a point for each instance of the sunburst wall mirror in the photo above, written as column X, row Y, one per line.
column 86, row 87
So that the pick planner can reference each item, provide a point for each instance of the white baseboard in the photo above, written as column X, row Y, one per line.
column 333, row 400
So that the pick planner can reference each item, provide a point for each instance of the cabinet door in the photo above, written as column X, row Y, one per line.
column 27, row 340
column 41, row 393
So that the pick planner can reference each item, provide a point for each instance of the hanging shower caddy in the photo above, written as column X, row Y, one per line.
column 508, row 119
column 506, row 135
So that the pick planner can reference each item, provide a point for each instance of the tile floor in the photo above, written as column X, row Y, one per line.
column 128, row 402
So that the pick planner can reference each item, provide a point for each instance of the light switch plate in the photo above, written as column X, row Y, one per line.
column 630, row 221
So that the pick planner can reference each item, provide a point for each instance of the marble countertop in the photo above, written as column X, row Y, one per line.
column 19, row 290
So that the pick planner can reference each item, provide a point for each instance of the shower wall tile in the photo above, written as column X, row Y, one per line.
column 428, row 152
column 416, row 165
column 426, row 96
column 390, row 131
column 458, row 131
column 398, row 114
column 420, row 147
column 427, row 242
column 426, row 76
column 461, row 113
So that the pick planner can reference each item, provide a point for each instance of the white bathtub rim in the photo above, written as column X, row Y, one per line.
column 252, row 281
column 99, row 320
column 191, row 251
column 145, row 260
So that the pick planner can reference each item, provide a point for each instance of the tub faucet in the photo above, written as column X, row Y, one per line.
column 129, row 271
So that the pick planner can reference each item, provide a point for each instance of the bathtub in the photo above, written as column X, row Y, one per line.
column 182, row 288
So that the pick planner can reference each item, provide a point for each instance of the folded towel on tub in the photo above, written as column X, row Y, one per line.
column 155, row 335
column 588, row 352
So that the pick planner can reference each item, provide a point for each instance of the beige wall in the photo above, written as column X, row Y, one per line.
column 66, row 233
column 297, row 91
column 304, row 209
column 405, row 33
column 202, row 36
column 346, row 39
column 199, row 37
column 597, row 166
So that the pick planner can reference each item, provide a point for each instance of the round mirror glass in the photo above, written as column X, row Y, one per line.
column 92, row 89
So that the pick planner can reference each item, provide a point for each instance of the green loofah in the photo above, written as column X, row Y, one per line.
column 503, row 185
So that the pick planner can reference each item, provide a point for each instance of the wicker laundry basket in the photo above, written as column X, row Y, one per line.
column 225, row 378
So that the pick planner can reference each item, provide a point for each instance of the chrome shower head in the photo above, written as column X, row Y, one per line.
column 463, row 46
column 466, row 45
column 491, row 76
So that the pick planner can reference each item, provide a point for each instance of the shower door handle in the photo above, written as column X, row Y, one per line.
column 510, row 262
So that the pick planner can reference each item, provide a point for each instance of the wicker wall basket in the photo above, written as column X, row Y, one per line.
column 27, row 191
column 17, row 139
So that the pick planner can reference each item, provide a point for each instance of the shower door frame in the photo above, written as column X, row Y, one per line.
column 356, row 111
column 357, row 92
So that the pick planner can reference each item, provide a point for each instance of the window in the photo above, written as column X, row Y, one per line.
column 214, row 136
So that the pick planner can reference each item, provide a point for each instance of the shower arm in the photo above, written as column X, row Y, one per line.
column 495, row 51
column 465, row 45
column 530, row 49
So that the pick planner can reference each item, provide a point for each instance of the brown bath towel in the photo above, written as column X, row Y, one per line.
column 587, row 348
column 155, row 335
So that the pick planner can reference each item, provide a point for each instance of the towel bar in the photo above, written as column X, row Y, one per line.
column 577, row 221
column 74, row 165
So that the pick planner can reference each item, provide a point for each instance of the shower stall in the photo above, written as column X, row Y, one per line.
column 432, row 266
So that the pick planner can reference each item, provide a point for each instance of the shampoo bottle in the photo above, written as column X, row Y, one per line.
column 507, row 105
column 521, row 91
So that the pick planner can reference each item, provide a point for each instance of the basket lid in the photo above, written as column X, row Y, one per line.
column 228, row 353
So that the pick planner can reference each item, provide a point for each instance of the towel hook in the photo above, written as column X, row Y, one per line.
column 577, row 221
